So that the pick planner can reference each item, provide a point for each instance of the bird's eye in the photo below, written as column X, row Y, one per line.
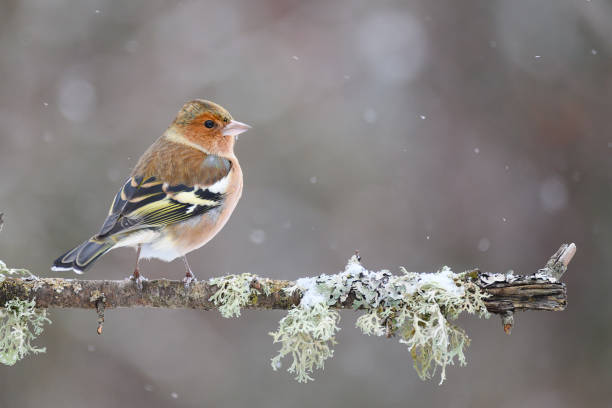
column 209, row 124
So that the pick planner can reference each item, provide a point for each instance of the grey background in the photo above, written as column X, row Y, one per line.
column 472, row 133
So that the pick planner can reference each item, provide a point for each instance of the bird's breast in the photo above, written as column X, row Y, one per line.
column 196, row 232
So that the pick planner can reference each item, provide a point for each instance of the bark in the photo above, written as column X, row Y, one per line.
column 510, row 293
column 525, row 293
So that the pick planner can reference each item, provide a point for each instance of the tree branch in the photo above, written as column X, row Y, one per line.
column 508, row 293
column 414, row 307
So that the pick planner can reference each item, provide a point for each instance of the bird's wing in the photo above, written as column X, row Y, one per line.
column 152, row 203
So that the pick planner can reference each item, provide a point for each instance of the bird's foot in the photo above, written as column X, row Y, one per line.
column 189, row 277
column 138, row 278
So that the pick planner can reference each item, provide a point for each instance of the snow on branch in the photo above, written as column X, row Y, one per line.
column 414, row 307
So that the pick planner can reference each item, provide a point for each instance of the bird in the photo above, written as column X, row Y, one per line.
column 179, row 195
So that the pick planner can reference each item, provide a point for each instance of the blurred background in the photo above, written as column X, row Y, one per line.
column 421, row 133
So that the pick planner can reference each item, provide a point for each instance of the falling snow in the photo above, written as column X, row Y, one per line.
column 400, row 41
column 553, row 194
column 76, row 99
column 257, row 236
column 370, row 116
column 484, row 244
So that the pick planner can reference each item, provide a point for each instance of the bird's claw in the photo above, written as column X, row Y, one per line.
column 187, row 281
column 138, row 279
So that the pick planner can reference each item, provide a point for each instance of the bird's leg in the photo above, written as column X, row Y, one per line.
column 189, row 276
column 136, row 276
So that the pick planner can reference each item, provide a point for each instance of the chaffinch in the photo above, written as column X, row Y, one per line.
column 180, row 194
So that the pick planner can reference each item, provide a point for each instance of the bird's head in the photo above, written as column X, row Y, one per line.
column 207, row 126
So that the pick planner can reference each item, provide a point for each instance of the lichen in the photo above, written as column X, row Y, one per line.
column 415, row 307
column 307, row 334
column 371, row 323
column 16, row 272
column 97, row 295
column 236, row 291
column 488, row 279
column 76, row 286
column 58, row 284
column 20, row 324
column 308, row 331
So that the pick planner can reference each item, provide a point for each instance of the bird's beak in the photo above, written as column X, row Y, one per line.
column 234, row 128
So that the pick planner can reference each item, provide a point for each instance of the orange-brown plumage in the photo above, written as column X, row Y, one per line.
column 179, row 162
column 180, row 193
column 176, row 164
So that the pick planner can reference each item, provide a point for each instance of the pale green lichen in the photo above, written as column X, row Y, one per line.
column 371, row 323
column 308, row 331
column 265, row 288
column 417, row 307
column 236, row 291
column 414, row 306
column 58, row 284
column 307, row 334
column 14, row 272
column 20, row 324
column 97, row 295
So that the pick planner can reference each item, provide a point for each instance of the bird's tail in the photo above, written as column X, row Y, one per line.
column 81, row 258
